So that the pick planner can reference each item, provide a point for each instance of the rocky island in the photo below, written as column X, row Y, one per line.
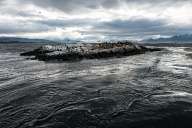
column 78, row 51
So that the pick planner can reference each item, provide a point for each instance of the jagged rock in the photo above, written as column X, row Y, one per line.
column 89, row 51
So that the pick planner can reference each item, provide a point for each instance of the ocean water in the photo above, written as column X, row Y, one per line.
column 152, row 90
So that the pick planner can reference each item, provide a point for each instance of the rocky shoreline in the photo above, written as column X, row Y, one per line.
column 66, row 52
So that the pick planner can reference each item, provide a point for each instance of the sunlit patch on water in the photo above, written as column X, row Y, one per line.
column 176, row 61
column 173, row 94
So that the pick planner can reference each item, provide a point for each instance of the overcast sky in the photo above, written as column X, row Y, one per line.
column 95, row 19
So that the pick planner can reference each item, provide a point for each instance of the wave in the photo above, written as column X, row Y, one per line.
column 139, row 91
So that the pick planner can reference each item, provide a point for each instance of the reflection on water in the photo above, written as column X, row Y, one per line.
column 148, row 90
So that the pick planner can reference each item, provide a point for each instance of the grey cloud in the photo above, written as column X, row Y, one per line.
column 110, row 4
column 26, row 14
column 156, row 1
column 15, row 12
column 82, row 5
column 141, row 24
column 67, row 23
column 133, row 27
column 73, row 5
column 2, row 2
column 136, row 28
column 119, row 28
column 14, row 28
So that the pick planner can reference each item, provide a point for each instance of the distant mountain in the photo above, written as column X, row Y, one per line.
column 27, row 40
column 23, row 40
column 187, row 38
column 68, row 41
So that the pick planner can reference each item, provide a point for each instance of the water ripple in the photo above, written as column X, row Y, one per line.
column 132, row 91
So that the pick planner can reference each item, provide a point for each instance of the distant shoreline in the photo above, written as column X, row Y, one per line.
column 168, row 44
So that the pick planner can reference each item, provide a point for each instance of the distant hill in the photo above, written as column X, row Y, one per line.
column 23, row 40
column 27, row 40
column 68, row 41
column 187, row 38
column 174, row 41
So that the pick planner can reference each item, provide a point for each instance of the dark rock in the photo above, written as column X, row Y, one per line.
column 89, row 51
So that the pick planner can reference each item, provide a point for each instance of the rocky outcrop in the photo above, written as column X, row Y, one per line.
column 90, row 51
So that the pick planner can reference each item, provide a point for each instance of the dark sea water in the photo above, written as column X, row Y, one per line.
column 152, row 90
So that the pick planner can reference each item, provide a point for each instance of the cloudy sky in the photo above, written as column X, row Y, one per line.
column 95, row 19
